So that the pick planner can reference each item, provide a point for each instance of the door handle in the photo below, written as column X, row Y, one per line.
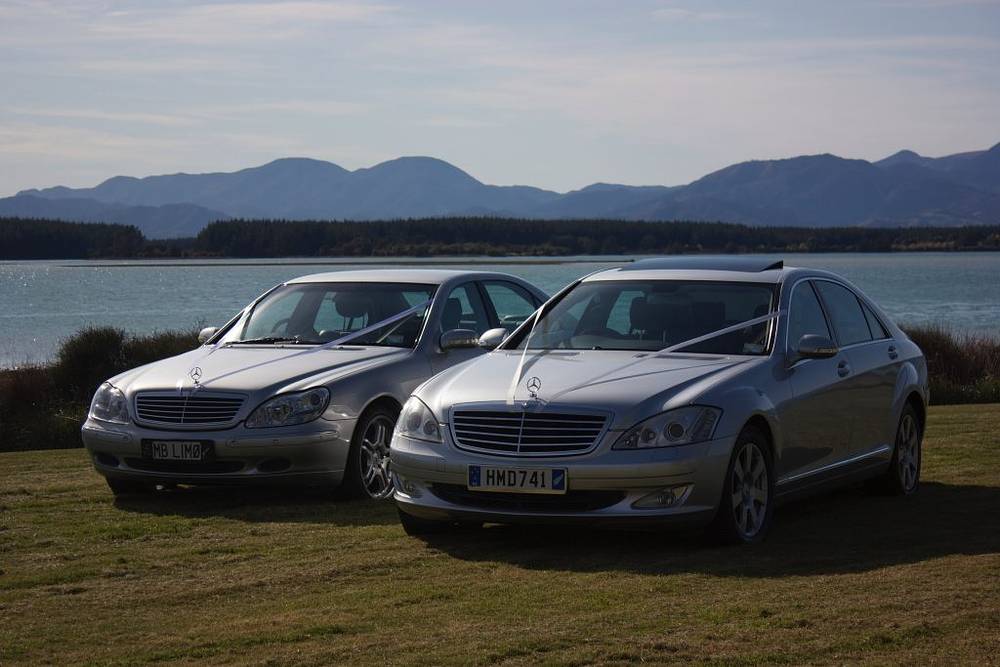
column 892, row 352
column 843, row 368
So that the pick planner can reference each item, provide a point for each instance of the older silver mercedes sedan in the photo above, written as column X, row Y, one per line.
column 690, row 389
column 304, row 385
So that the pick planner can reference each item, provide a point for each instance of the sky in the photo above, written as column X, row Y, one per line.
column 555, row 94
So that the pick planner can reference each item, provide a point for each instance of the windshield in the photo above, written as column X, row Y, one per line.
column 653, row 315
column 316, row 313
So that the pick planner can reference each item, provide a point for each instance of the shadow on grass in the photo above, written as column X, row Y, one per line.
column 847, row 531
column 278, row 504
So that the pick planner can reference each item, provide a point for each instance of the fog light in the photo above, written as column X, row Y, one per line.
column 407, row 487
column 670, row 496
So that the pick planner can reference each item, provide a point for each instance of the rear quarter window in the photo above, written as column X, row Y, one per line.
column 845, row 312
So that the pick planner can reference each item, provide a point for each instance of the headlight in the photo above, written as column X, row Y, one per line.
column 683, row 426
column 417, row 421
column 290, row 409
column 109, row 405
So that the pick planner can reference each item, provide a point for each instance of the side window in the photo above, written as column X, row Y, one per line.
column 512, row 304
column 845, row 313
column 464, row 310
column 805, row 315
column 878, row 331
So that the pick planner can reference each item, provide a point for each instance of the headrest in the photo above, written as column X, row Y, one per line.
column 638, row 314
column 351, row 304
column 709, row 313
column 667, row 315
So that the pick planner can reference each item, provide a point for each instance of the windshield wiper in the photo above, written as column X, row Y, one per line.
column 269, row 340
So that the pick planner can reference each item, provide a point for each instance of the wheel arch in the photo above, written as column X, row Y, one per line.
column 382, row 400
column 916, row 401
column 761, row 422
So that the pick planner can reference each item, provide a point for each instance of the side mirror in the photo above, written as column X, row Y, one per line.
column 812, row 346
column 492, row 338
column 207, row 333
column 458, row 338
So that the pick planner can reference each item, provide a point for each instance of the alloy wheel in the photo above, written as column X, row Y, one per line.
column 374, row 457
column 749, row 490
column 908, row 452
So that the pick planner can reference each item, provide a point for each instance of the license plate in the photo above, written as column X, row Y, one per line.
column 517, row 480
column 175, row 450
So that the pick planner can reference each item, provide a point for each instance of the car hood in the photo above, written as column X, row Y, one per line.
column 631, row 385
column 265, row 369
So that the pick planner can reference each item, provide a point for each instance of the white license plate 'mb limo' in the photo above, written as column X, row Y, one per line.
column 175, row 450
column 517, row 480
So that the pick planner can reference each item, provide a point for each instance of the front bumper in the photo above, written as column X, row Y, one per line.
column 603, row 486
column 312, row 453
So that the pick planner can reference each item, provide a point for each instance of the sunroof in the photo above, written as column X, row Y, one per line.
column 705, row 263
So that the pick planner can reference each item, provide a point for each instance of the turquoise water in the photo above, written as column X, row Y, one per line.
column 41, row 302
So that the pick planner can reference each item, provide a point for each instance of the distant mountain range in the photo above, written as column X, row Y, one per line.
column 904, row 189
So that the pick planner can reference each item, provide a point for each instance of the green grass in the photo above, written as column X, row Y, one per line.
column 226, row 576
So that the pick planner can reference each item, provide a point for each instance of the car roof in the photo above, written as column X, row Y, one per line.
column 700, row 267
column 415, row 276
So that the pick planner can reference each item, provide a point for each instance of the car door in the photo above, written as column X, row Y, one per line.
column 872, row 356
column 816, row 417
column 463, row 309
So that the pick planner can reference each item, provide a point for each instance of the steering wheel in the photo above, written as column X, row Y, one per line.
column 279, row 324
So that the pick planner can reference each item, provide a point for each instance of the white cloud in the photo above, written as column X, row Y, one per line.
column 232, row 22
column 101, row 115
column 685, row 14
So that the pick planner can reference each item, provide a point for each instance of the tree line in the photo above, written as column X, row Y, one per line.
column 24, row 238
column 51, row 239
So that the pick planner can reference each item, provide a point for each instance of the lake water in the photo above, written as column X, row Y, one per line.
column 42, row 302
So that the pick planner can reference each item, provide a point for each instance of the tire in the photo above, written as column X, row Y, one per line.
column 415, row 526
column 746, row 507
column 902, row 478
column 129, row 487
column 367, row 472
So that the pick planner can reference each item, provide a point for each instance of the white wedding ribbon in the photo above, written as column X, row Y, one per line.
column 667, row 350
column 325, row 346
column 518, row 372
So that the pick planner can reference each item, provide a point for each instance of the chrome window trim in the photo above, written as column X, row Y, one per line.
column 829, row 321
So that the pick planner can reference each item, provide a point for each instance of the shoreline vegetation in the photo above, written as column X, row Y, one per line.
column 43, row 406
column 26, row 238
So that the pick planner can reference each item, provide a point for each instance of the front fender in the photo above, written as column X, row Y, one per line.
column 742, row 404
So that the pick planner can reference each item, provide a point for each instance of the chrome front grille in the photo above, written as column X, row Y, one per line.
column 198, row 409
column 518, row 432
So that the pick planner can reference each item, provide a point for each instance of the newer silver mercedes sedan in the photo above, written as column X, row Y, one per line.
column 669, row 390
column 304, row 385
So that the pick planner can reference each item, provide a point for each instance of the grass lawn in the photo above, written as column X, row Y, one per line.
column 227, row 576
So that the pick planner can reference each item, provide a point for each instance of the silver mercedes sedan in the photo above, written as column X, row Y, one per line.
column 684, row 390
column 304, row 385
